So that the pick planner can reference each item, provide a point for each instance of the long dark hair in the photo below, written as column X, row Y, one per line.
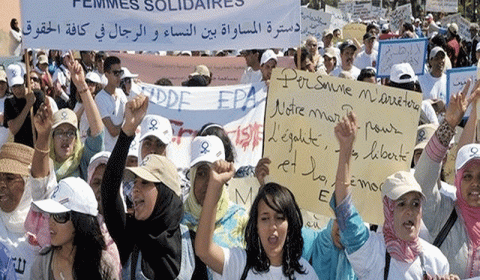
column 282, row 201
column 89, row 245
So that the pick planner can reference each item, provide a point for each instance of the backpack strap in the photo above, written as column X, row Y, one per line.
column 133, row 262
column 245, row 272
column 445, row 229
column 387, row 265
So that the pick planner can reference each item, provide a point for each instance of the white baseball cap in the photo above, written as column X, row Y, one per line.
column 424, row 133
column 267, row 55
column 15, row 75
column 401, row 69
column 127, row 73
column 435, row 51
column 400, row 183
column 158, row 126
column 71, row 194
column 467, row 153
column 206, row 149
column 93, row 77
column 95, row 161
column 64, row 115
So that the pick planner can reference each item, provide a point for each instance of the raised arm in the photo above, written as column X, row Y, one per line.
column 43, row 124
column 93, row 115
column 114, row 212
column 262, row 170
column 345, row 132
column 209, row 252
column 468, row 133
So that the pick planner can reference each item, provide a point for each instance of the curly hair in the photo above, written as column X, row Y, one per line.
column 282, row 201
column 89, row 244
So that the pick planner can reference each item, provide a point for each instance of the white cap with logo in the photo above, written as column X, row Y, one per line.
column 466, row 154
column 206, row 149
column 71, row 194
column 158, row 126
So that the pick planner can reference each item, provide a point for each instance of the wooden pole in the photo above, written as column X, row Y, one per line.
column 29, row 90
column 299, row 58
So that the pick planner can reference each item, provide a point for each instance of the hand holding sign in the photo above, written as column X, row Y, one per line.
column 458, row 106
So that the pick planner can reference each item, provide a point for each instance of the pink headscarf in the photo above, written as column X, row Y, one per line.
column 399, row 249
column 471, row 215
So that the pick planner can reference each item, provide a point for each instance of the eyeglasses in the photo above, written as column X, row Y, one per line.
column 35, row 79
column 69, row 134
column 61, row 218
column 117, row 73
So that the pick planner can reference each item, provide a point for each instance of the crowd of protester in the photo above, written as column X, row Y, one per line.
column 88, row 190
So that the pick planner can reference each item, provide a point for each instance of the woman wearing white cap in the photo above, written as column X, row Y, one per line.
column 230, row 218
column 454, row 223
column 152, row 243
column 78, row 249
column 397, row 252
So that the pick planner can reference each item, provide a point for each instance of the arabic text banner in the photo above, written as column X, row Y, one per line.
column 239, row 109
column 152, row 25
column 301, row 113
column 456, row 80
column 314, row 23
column 391, row 52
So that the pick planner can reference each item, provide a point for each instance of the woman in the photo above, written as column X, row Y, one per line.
column 152, row 243
column 460, row 241
column 78, row 249
column 94, row 86
column 313, row 56
column 69, row 155
column 230, row 218
column 15, row 38
column 397, row 252
column 273, row 234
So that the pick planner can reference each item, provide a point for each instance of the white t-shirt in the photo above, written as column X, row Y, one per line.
column 84, row 126
column 236, row 259
column 433, row 88
column 364, row 60
column 4, row 132
column 113, row 108
column 354, row 71
column 251, row 76
column 368, row 262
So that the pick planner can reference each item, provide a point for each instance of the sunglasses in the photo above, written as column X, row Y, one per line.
column 61, row 218
column 117, row 73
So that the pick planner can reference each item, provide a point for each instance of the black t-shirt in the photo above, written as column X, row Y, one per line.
column 13, row 108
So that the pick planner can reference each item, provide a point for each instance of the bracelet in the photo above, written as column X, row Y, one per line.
column 82, row 90
column 42, row 151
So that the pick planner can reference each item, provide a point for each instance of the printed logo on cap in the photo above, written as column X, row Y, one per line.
column 54, row 195
column 153, row 124
column 14, row 72
column 205, row 146
column 421, row 135
column 144, row 162
column 64, row 115
column 474, row 151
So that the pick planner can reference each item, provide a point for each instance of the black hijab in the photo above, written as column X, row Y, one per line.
column 159, row 238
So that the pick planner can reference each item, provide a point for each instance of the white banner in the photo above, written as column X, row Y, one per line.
column 358, row 9
column 400, row 16
column 392, row 52
column 339, row 18
column 240, row 109
column 446, row 6
column 314, row 23
column 153, row 25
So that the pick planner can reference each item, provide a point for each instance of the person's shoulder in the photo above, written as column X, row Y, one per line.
column 309, row 271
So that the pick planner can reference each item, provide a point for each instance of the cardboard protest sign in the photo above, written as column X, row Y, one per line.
column 339, row 18
column 445, row 6
column 399, row 16
column 456, row 80
column 151, row 25
column 390, row 52
column 302, row 111
column 314, row 23
column 239, row 109
column 462, row 23
column 354, row 31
